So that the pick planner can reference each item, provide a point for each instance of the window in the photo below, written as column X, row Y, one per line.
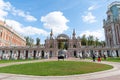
column 74, row 46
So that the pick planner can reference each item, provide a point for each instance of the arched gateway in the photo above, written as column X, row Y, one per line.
column 63, row 42
column 63, row 45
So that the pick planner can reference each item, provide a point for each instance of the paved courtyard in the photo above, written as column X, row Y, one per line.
column 113, row 74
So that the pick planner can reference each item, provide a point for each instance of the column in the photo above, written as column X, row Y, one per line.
column 119, row 52
column 80, row 54
column 102, row 52
column 7, row 55
column 97, row 53
column 30, row 54
column 1, row 54
column 113, row 34
column 85, row 53
column 88, row 52
column 22, row 54
column 15, row 55
column 114, row 53
column 105, row 53
column 12, row 55
column 38, row 54
column 105, row 32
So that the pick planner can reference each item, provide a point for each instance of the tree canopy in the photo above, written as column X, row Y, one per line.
column 29, row 41
column 91, row 41
column 37, row 41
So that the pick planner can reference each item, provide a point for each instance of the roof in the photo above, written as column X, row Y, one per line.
column 114, row 3
column 62, row 36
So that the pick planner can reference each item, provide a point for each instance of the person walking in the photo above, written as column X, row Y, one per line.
column 104, row 56
column 99, row 58
column 94, row 57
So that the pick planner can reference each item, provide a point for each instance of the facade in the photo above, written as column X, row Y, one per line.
column 112, row 25
column 63, row 42
column 70, row 46
column 8, row 37
column 39, row 52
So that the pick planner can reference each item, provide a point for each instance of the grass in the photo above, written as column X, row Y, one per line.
column 112, row 59
column 55, row 68
column 9, row 61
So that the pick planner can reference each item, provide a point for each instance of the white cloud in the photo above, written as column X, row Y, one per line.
column 29, row 30
column 96, row 33
column 15, row 25
column 89, row 17
column 6, row 7
column 30, row 18
column 55, row 21
column 92, row 7
column 3, row 14
column 26, row 31
column 23, row 14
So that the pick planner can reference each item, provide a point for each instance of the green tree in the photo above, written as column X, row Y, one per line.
column 62, row 45
column 96, row 42
column 29, row 41
column 37, row 41
column 66, row 45
column 84, row 40
column 103, row 43
column 90, row 40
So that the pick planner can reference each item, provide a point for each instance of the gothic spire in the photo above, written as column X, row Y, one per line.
column 51, row 34
column 74, row 34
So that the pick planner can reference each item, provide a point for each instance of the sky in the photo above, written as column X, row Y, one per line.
column 36, row 18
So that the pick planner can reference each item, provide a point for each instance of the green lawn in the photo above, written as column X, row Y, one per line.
column 9, row 61
column 112, row 59
column 55, row 68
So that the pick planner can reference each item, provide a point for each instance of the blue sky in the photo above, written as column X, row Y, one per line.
column 36, row 18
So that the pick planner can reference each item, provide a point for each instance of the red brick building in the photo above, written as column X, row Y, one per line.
column 9, row 37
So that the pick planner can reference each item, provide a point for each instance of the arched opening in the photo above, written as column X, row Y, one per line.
column 3, row 51
column 83, row 54
column 50, row 54
column 75, row 54
column 10, row 54
column 62, row 44
column 91, row 52
column 110, row 42
column 74, row 46
column 19, row 54
column 108, row 53
column 34, row 55
column 100, row 54
column 62, row 54
column 117, row 53
column 51, row 46
column 42, row 54
column 2, row 54
column 62, row 40
column 26, row 55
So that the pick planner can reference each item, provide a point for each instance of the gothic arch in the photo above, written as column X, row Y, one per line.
column 42, row 54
